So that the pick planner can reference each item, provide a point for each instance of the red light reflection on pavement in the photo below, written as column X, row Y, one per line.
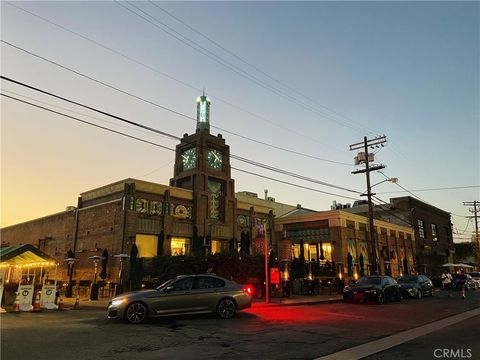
column 291, row 314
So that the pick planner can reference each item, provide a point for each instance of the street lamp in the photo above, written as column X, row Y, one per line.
column 70, row 262
column 123, row 258
column 393, row 180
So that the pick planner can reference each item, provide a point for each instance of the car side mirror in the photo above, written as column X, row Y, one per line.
column 169, row 289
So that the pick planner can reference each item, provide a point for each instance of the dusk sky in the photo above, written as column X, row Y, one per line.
column 306, row 77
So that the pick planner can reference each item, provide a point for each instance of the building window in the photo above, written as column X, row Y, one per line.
column 434, row 232
column 219, row 246
column 179, row 246
column 310, row 251
column 421, row 229
column 146, row 245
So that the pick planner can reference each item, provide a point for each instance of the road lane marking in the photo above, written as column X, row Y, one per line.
column 373, row 347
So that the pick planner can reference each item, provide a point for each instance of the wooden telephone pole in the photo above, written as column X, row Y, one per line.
column 476, row 205
column 365, row 158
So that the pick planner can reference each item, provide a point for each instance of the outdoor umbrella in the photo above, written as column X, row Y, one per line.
column 322, row 257
column 302, row 259
column 361, row 261
column 103, row 273
column 405, row 265
column 133, row 265
column 350, row 264
column 195, row 242
column 161, row 239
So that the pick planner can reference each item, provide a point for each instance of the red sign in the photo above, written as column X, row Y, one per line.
column 274, row 275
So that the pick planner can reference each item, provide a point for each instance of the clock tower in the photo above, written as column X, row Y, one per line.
column 202, row 164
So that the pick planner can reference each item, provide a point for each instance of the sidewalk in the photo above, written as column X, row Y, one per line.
column 86, row 303
column 257, row 302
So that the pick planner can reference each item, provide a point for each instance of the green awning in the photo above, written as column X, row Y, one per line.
column 25, row 255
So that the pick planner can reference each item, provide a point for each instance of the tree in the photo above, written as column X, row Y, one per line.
column 465, row 252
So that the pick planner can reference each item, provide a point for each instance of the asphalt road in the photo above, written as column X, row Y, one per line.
column 262, row 332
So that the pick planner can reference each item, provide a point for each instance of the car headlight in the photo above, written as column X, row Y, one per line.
column 116, row 302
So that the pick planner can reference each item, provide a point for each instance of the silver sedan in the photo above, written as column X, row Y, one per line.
column 185, row 294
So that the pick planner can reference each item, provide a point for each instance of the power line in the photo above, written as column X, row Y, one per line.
column 168, row 109
column 165, row 133
column 400, row 186
column 74, row 112
column 133, row 137
column 230, row 66
column 292, row 184
column 255, row 67
column 184, row 83
column 419, row 198
column 87, row 122
column 465, row 230
column 432, row 189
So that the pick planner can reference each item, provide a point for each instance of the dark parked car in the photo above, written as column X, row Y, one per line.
column 185, row 294
column 373, row 288
column 415, row 286
column 457, row 282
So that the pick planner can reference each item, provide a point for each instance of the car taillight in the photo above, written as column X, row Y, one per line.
column 247, row 289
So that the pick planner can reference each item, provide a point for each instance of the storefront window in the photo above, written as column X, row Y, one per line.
column 219, row 246
column 180, row 246
column 146, row 245
column 310, row 251
column 327, row 251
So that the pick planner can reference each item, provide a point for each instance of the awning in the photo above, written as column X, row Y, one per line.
column 25, row 256
column 457, row 265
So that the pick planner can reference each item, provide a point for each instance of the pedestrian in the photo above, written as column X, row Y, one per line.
column 462, row 281
column 447, row 281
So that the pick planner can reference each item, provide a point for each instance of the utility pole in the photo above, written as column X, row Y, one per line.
column 475, row 209
column 366, row 158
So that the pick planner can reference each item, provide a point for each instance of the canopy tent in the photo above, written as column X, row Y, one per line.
column 24, row 256
column 457, row 265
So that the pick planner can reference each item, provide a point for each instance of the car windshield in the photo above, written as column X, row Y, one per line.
column 408, row 279
column 369, row 280
column 474, row 274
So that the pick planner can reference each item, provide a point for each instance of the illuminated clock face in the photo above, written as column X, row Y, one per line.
column 189, row 159
column 214, row 160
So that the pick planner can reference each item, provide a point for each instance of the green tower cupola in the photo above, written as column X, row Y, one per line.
column 203, row 113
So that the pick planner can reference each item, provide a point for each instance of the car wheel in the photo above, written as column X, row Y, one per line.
column 226, row 308
column 136, row 313
column 419, row 294
column 399, row 296
column 380, row 298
